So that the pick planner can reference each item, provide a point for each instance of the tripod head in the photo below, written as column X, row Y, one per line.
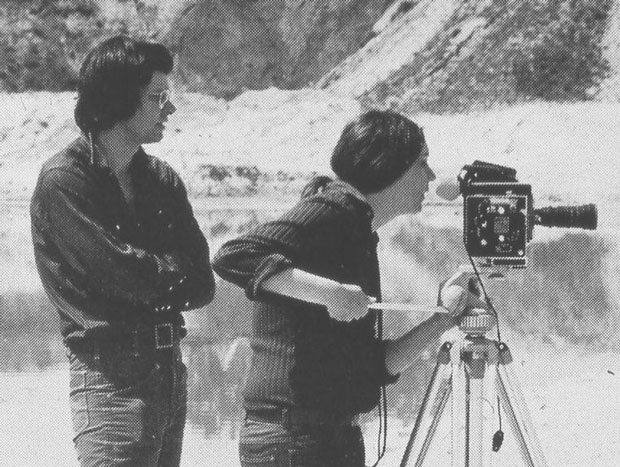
column 476, row 322
column 460, row 295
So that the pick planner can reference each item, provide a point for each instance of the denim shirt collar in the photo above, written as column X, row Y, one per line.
column 98, row 161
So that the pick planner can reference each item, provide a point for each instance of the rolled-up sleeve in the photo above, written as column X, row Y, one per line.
column 250, row 260
column 290, row 241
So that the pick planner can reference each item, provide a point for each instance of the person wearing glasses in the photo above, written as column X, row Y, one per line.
column 318, row 358
column 120, row 256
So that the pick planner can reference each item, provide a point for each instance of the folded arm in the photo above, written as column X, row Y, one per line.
column 103, row 261
column 271, row 259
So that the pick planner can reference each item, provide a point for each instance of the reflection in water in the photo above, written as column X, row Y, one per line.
column 216, row 375
column 567, row 295
column 26, row 351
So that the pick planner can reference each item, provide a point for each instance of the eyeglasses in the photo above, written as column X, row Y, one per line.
column 163, row 97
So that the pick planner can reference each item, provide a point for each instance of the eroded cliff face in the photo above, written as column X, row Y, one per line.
column 223, row 47
column 455, row 56
column 43, row 42
column 433, row 55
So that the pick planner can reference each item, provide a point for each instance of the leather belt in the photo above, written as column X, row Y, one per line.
column 295, row 416
column 144, row 340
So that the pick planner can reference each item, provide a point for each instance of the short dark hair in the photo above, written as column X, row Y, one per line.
column 376, row 149
column 110, row 80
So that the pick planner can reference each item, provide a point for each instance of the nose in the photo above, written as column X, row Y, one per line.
column 431, row 175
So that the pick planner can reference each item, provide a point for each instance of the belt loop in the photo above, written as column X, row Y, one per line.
column 286, row 419
column 96, row 351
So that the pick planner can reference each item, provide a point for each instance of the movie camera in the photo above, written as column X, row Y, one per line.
column 474, row 371
column 499, row 214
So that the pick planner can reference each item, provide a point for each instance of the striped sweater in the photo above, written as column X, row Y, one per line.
column 301, row 356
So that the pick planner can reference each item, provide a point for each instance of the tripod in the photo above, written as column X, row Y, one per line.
column 474, row 369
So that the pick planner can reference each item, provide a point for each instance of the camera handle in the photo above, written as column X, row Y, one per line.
column 475, row 370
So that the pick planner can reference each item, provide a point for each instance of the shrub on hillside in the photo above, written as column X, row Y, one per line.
column 560, row 55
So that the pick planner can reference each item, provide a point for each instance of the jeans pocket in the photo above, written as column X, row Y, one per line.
column 137, row 383
column 305, row 456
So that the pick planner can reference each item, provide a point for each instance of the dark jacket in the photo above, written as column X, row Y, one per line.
column 302, row 356
column 108, row 269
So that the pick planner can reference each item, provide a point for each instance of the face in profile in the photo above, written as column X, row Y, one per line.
column 407, row 193
column 148, row 123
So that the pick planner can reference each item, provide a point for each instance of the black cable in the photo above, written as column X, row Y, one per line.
column 382, row 435
column 498, row 437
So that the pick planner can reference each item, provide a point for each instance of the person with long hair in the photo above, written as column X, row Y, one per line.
column 121, row 255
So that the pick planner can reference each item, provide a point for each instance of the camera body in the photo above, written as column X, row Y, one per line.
column 496, row 222
column 496, row 214
column 499, row 215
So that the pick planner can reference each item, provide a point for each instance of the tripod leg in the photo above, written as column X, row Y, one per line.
column 476, row 369
column 460, row 409
column 488, row 411
column 473, row 444
column 433, row 405
column 513, row 403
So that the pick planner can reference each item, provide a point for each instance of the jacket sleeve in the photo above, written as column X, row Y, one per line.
column 108, row 265
column 197, row 286
column 249, row 260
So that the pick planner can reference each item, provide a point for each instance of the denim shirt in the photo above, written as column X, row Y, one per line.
column 108, row 268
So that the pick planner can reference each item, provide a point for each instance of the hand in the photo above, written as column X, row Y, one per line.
column 348, row 302
column 460, row 293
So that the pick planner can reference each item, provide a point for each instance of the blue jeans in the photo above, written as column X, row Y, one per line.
column 265, row 444
column 128, row 410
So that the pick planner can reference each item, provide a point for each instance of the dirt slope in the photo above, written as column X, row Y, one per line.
column 450, row 55
column 435, row 55
column 223, row 47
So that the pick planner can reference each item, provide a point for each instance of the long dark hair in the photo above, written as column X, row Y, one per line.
column 111, row 78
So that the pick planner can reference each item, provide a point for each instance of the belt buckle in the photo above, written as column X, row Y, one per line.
column 164, row 340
